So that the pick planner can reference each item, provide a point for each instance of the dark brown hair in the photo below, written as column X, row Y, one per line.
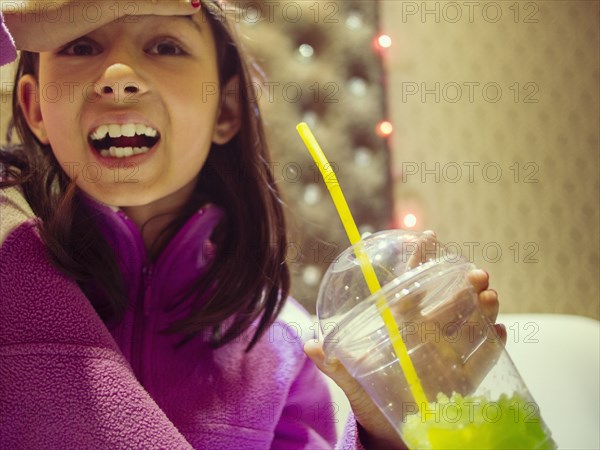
column 249, row 279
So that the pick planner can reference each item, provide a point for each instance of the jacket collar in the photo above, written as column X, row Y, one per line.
column 183, row 260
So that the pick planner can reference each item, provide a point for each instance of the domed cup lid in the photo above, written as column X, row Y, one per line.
column 397, row 257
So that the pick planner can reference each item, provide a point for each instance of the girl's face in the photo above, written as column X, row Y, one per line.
column 152, row 84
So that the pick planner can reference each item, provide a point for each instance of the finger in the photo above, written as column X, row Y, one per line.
column 478, row 364
column 479, row 279
column 314, row 350
column 448, row 372
column 364, row 408
column 160, row 7
column 467, row 318
column 425, row 249
column 501, row 330
column 332, row 368
column 459, row 322
column 359, row 400
column 456, row 310
column 489, row 305
column 407, row 305
column 487, row 298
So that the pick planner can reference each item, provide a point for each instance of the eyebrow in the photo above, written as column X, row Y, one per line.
column 193, row 22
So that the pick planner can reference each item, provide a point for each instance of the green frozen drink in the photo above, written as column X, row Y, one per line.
column 474, row 423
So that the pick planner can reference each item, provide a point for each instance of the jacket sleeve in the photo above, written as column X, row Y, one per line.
column 8, row 52
column 63, row 381
column 309, row 417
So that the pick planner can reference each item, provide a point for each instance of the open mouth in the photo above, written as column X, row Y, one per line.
column 123, row 140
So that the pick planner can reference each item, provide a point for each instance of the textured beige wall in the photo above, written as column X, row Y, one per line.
column 6, row 88
column 541, row 210
column 542, row 133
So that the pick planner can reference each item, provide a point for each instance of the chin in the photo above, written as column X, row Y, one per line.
column 123, row 195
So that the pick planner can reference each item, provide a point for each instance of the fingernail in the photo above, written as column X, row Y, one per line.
column 501, row 330
column 196, row 3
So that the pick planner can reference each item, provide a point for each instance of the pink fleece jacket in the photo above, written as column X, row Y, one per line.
column 68, row 381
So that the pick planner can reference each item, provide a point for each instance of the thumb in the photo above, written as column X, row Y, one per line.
column 379, row 431
column 334, row 370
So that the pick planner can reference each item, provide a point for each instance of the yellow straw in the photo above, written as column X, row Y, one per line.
column 367, row 269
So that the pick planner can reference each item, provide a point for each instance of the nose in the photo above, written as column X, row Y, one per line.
column 120, row 82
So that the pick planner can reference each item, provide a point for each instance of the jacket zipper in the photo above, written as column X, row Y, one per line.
column 148, row 273
column 142, row 312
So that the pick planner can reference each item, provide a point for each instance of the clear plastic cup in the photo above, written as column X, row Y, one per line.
column 475, row 395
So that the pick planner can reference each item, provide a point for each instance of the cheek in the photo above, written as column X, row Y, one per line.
column 59, row 100
column 60, row 140
column 60, row 109
column 199, row 94
column 193, row 119
column 58, row 117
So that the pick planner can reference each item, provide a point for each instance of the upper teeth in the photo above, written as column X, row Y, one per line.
column 127, row 129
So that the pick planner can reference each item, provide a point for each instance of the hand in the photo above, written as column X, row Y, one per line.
column 379, row 432
column 40, row 26
column 443, row 353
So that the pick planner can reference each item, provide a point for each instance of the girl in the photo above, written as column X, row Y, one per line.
column 141, row 221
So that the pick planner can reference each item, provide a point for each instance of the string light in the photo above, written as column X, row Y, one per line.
column 311, row 275
column 306, row 51
column 384, row 41
column 362, row 157
column 410, row 220
column 358, row 86
column 384, row 128
column 312, row 194
column 354, row 21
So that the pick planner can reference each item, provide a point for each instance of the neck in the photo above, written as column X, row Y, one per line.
column 154, row 217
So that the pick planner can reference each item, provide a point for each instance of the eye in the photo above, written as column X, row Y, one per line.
column 80, row 48
column 166, row 47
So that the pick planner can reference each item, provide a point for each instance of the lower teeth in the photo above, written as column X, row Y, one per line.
column 123, row 152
